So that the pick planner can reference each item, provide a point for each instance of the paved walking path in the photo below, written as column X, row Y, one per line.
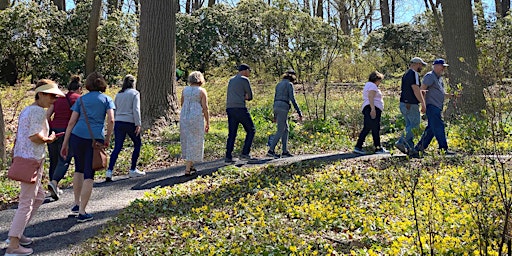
column 56, row 232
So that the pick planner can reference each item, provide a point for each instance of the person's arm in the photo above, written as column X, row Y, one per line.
column 371, row 98
column 65, row 144
column 206, row 113
column 291, row 96
column 182, row 98
column 423, row 91
column 136, row 114
column 248, row 91
column 40, row 139
column 49, row 113
column 110, row 126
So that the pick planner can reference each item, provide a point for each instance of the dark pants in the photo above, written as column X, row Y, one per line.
column 372, row 125
column 121, row 129
column 239, row 116
column 435, row 128
column 58, row 165
column 82, row 149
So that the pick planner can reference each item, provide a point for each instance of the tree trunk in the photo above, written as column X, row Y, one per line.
column 462, row 55
column 188, row 4
column 505, row 7
column 211, row 3
column 3, row 156
column 320, row 9
column 497, row 4
column 4, row 4
column 384, row 12
column 61, row 4
column 92, row 37
column 393, row 11
column 344, row 18
column 113, row 5
column 157, row 62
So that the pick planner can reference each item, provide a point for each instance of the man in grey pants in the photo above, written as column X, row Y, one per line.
column 283, row 96
column 239, row 91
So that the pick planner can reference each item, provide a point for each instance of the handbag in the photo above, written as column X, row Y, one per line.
column 24, row 169
column 99, row 156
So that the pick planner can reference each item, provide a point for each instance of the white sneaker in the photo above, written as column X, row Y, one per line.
column 136, row 173
column 382, row 150
column 108, row 175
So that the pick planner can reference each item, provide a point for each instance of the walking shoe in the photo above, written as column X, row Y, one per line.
column 447, row 152
column 401, row 147
column 136, row 173
column 23, row 241
column 53, row 191
column 359, row 151
column 413, row 153
column 75, row 209
column 273, row 154
column 245, row 157
column 84, row 217
column 286, row 154
column 381, row 150
column 230, row 160
column 20, row 251
column 108, row 175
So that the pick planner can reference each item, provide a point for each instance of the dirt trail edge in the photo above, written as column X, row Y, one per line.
column 56, row 232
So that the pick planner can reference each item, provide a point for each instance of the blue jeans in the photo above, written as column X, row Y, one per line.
column 239, row 116
column 372, row 125
column 411, row 113
column 121, row 129
column 435, row 128
column 82, row 149
column 58, row 165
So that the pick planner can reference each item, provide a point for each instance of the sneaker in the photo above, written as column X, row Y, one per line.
column 413, row 153
column 245, row 157
column 84, row 217
column 381, row 150
column 401, row 147
column 20, row 251
column 108, row 175
column 23, row 241
column 230, row 160
column 53, row 191
column 286, row 154
column 75, row 209
column 273, row 154
column 136, row 173
column 447, row 152
column 359, row 151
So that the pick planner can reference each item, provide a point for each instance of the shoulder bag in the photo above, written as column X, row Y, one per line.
column 24, row 169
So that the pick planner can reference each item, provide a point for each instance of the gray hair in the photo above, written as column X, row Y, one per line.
column 196, row 77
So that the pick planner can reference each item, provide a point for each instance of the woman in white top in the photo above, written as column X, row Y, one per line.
column 194, row 121
column 372, row 108
column 31, row 139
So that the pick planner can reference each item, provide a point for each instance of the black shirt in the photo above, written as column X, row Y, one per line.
column 407, row 95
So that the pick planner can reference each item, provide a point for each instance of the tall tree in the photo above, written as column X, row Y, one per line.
column 157, row 61
column 462, row 54
column 92, row 37
column 384, row 12
column 320, row 9
column 61, row 4
column 4, row 4
column 502, row 7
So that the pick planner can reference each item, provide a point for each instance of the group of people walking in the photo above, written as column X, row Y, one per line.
column 69, row 126
column 72, row 122
column 428, row 94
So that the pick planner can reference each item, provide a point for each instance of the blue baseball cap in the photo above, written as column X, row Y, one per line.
column 440, row 62
column 243, row 67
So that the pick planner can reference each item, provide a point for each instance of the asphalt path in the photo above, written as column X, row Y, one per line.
column 56, row 232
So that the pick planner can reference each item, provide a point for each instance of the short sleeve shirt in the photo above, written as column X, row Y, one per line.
column 96, row 105
column 32, row 121
column 410, row 78
column 435, row 89
column 377, row 100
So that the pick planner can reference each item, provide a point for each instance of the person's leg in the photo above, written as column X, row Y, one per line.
column 78, row 147
column 137, row 144
column 366, row 127
column 375, row 127
column 54, row 153
column 282, row 123
column 427, row 135
column 250, row 129
column 436, row 123
column 232, row 128
column 119, row 136
column 88, row 182
column 414, row 118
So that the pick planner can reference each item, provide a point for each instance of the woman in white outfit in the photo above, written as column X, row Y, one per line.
column 194, row 121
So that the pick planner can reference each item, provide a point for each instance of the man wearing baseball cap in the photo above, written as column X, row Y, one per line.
column 239, row 91
column 410, row 98
column 433, row 105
